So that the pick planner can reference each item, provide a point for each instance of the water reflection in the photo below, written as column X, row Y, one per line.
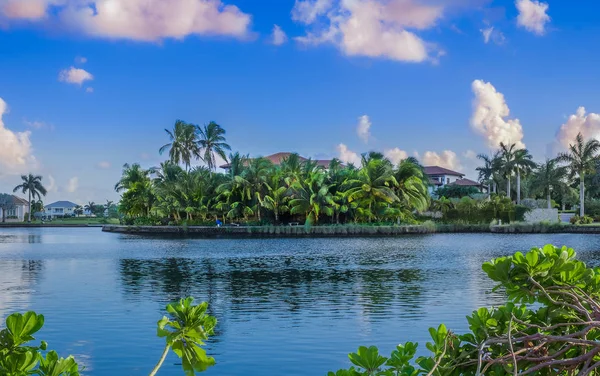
column 17, row 281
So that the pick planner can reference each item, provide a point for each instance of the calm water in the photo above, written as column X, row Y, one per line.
column 285, row 306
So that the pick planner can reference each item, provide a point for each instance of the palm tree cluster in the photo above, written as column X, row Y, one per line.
column 255, row 189
column 32, row 185
column 553, row 178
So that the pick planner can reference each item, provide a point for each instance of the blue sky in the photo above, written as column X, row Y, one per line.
column 88, row 89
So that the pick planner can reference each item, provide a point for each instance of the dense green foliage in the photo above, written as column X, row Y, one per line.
column 18, row 358
column 33, row 186
column 548, row 326
column 256, row 190
column 483, row 211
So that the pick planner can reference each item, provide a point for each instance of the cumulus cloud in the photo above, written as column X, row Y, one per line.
column 363, row 129
column 24, row 9
column 73, row 184
column 580, row 122
column 16, row 152
column 75, row 76
column 490, row 117
column 89, row 90
column 51, row 185
column 278, row 37
column 447, row 159
column 491, row 34
column 470, row 154
column 104, row 165
column 348, row 156
column 395, row 155
column 372, row 28
column 533, row 15
column 140, row 20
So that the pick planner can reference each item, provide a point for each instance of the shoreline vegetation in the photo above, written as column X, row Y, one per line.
column 349, row 230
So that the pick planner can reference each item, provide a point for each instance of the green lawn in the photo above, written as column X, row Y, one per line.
column 73, row 221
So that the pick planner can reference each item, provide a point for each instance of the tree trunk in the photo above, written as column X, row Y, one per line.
column 29, row 207
column 495, row 187
column 581, row 194
column 518, row 186
column 258, row 210
column 276, row 216
column 549, row 200
column 508, row 187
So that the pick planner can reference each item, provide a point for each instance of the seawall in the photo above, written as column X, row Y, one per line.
column 342, row 231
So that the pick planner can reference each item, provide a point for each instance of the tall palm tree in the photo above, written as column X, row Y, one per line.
column 184, row 143
column 276, row 196
column 581, row 159
column 524, row 164
column 311, row 196
column 411, row 184
column 90, row 207
column 549, row 177
column 488, row 173
column 212, row 141
column 131, row 174
column 507, row 162
column 33, row 186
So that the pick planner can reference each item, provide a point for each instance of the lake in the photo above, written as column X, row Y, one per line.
column 285, row 306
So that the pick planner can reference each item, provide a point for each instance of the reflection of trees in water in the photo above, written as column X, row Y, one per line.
column 17, row 277
column 279, row 284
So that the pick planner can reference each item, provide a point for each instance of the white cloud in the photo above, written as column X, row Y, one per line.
column 532, row 15
column 75, row 76
column 447, row 159
column 348, row 156
column 35, row 124
column 81, row 60
column 16, row 152
column 493, row 35
column 580, row 122
column 363, row 129
column 470, row 154
column 307, row 11
column 372, row 28
column 278, row 37
column 24, row 9
column 89, row 90
column 104, row 165
column 72, row 185
column 490, row 114
column 141, row 20
column 51, row 186
column 395, row 155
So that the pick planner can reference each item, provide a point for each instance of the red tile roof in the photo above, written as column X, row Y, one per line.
column 467, row 183
column 437, row 170
column 19, row 201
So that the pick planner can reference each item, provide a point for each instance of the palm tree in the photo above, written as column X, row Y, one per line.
column 183, row 145
column 507, row 163
column 489, row 171
column 524, row 164
column 90, row 207
column 131, row 174
column 373, row 185
column 411, row 184
column 311, row 196
column 212, row 141
column 276, row 196
column 33, row 186
column 581, row 159
column 549, row 177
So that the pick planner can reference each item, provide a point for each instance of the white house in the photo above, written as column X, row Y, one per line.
column 440, row 177
column 14, row 211
column 60, row 209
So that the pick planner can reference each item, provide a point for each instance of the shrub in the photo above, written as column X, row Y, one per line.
column 585, row 220
column 520, row 211
column 548, row 326
column 575, row 220
column 592, row 208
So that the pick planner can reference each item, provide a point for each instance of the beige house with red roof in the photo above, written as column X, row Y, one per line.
column 440, row 177
column 278, row 158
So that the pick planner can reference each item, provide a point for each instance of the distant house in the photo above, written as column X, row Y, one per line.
column 278, row 158
column 60, row 209
column 15, row 210
column 440, row 177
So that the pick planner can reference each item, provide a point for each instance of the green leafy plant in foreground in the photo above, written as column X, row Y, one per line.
column 19, row 359
column 550, row 325
column 185, row 332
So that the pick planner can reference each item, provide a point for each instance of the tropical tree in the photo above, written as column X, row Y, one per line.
column 581, row 159
column 37, row 206
column 31, row 185
column 90, row 207
column 311, row 196
column 549, row 177
column 131, row 174
column 373, row 186
column 211, row 142
column 524, row 165
column 7, row 202
column 276, row 197
column 507, row 163
column 183, row 145
column 411, row 185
